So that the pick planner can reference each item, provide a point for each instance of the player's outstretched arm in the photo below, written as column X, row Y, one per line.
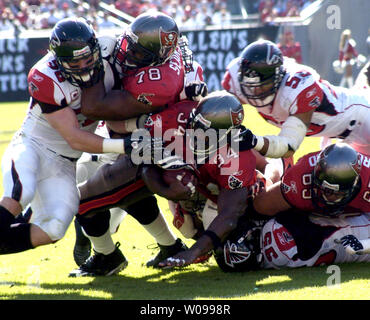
column 231, row 205
column 271, row 202
column 289, row 139
column 96, row 104
column 65, row 122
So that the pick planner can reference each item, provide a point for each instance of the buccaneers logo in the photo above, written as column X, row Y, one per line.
column 168, row 39
column 237, row 117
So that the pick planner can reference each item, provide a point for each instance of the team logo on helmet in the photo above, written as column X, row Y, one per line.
column 272, row 58
column 357, row 166
column 237, row 117
column 168, row 39
column 233, row 255
column 55, row 41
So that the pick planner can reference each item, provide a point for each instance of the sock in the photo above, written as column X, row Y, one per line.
column 103, row 244
column 6, row 218
column 160, row 231
column 16, row 239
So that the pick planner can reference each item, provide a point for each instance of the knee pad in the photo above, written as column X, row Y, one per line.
column 144, row 211
column 116, row 217
column 95, row 225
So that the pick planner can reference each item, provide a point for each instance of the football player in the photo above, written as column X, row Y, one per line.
column 225, row 176
column 156, row 71
column 294, row 240
column 332, row 182
column 39, row 164
column 294, row 97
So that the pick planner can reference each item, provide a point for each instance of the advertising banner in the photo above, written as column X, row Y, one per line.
column 213, row 49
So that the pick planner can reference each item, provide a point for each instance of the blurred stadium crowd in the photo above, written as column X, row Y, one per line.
column 189, row 14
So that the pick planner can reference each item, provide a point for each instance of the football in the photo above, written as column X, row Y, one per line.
column 183, row 175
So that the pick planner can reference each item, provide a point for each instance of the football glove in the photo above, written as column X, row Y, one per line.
column 351, row 244
column 196, row 90
column 245, row 138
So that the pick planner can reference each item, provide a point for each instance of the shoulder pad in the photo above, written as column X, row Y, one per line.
column 107, row 44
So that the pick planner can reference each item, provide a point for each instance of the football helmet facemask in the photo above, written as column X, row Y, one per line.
column 77, row 52
column 336, row 178
column 261, row 72
column 149, row 40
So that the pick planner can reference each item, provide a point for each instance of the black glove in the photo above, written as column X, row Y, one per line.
column 196, row 90
column 352, row 241
column 142, row 147
column 246, row 139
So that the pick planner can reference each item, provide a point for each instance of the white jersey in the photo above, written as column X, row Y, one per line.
column 47, row 85
column 280, row 249
column 339, row 112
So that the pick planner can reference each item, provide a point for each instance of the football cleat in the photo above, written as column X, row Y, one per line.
column 82, row 248
column 102, row 265
column 166, row 252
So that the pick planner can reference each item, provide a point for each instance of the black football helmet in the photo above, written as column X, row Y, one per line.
column 241, row 251
column 217, row 113
column 73, row 40
column 261, row 72
column 149, row 40
column 336, row 178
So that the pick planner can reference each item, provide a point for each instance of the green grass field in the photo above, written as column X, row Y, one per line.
column 42, row 273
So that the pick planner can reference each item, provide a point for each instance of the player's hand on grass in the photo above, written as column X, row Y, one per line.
column 351, row 244
column 181, row 259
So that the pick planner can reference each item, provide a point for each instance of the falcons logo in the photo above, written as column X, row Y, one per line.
column 234, row 182
column 143, row 98
column 233, row 255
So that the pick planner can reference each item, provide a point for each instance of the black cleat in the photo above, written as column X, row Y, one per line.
column 102, row 265
column 82, row 248
column 166, row 252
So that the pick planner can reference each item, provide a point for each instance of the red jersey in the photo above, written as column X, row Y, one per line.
column 157, row 85
column 348, row 52
column 297, row 183
column 225, row 170
column 292, row 51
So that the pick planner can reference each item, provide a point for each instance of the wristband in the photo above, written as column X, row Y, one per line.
column 113, row 146
column 216, row 241
column 260, row 143
column 130, row 124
